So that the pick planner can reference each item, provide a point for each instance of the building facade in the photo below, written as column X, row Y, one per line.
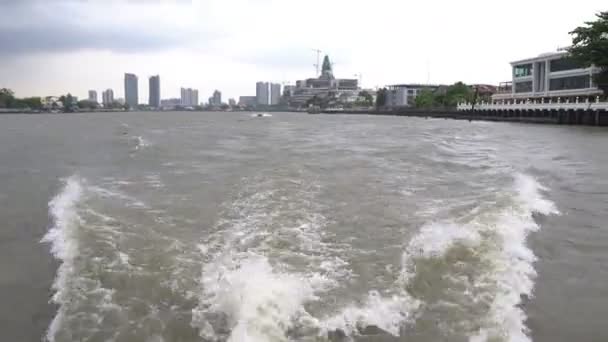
column 262, row 93
column 154, row 93
column 275, row 94
column 189, row 97
column 548, row 76
column 248, row 101
column 131, row 90
column 324, row 86
column 217, row 98
column 107, row 97
column 404, row 95
column 93, row 96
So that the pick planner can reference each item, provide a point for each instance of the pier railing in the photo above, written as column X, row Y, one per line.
column 534, row 105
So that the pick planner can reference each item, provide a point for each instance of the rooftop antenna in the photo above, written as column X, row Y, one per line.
column 318, row 60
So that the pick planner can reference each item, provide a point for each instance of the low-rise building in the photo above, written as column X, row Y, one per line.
column 546, row 77
column 404, row 95
column 248, row 101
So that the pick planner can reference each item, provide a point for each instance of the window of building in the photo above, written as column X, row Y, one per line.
column 523, row 70
column 565, row 63
column 523, row 87
column 410, row 91
column 574, row 82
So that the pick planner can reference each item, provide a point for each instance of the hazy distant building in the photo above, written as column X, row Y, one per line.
column 231, row 102
column 195, row 97
column 93, row 96
column 131, row 93
column 170, row 103
column 324, row 86
column 217, row 98
column 288, row 90
column 261, row 93
column 248, row 101
column 275, row 93
column 154, row 93
column 107, row 97
column 189, row 97
column 404, row 95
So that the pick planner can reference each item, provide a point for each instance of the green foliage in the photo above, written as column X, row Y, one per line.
column 381, row 97
column 458, row 92
column 31, row 102
column 86, row 104
column 7, row 98
column 426, row 99
column 590, row 47
column 369, row 99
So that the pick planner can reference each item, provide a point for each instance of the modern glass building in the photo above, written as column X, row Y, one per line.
column 549, row 76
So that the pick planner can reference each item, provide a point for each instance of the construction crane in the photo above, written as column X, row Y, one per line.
column 318, row 65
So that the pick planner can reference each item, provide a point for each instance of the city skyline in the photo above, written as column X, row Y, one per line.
column 186, row 44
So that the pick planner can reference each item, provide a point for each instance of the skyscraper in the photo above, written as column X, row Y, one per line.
column 194, row 98
column 189, row 97
column 107, row 97
column 217, row 98
column 131, row 93
column 261, row 93
column 275, row 93
column 154, row 98
column 93, row 96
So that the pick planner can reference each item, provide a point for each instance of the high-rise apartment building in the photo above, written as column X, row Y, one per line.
column 154, row 93
column 275, row 94
column 131, row 93
column 261, row 93
column 107, row 97
column 93, row 96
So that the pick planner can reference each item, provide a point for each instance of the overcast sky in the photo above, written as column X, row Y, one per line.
column 51, row 47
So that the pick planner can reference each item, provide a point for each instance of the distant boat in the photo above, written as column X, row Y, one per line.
column 261, row 115
column 314, row 110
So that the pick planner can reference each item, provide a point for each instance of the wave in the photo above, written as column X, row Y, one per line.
column 64, row 245
column 250, row 287
column 479, row 266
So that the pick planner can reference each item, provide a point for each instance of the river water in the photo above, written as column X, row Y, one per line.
column 227, row 227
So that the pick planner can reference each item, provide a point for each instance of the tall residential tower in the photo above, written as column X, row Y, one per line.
column 154, row 98
column 131, row 93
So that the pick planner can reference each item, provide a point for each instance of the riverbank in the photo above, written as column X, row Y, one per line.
column 554, row 116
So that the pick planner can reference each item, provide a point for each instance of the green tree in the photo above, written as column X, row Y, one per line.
column 381, row 97
column 86, row 104
column 369, row 99
column 426, row 99
column 458, row 92
column 7, row 98
column 590, row 47
column 32, row 102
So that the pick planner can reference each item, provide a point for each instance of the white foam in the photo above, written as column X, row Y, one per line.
column 248, row 276
column 141, row 143
column 513, row 270
column 259, row 301
column 388, row 313
column 434, row 239
column 64, row 244
column 530, row 195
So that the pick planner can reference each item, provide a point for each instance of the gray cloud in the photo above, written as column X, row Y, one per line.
column 32, row 26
